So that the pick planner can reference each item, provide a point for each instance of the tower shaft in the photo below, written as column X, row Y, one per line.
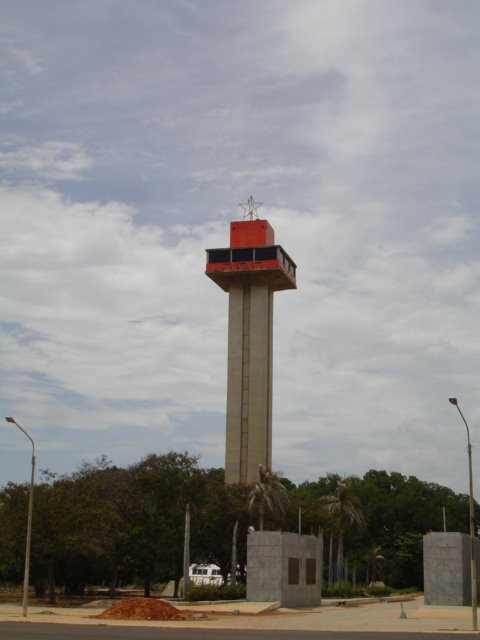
column 249, row 381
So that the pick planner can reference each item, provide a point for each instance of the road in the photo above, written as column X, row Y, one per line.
column 45, row 631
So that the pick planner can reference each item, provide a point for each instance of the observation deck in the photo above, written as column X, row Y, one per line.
column 252, row 255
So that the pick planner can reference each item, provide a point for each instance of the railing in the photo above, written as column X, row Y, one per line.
column 252, row 254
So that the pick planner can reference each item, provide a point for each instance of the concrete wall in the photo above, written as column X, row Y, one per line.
column 249, row 382
column 275, row 560
column 446, row 568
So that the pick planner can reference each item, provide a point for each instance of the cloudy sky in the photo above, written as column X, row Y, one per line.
column 130, row 131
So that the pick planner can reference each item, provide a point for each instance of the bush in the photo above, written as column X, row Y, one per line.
column 408, row 590
column 379, row 591
column 199, row 592
column 347, row 590
column 342, row 590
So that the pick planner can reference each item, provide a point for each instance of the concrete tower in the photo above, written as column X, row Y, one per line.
column 250, row 270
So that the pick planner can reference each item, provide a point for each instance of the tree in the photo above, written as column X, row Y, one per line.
column 267, row 494
column 346, row 508
column 408, row 556
column 219, row 507
column 13, row 524
column 101, row 489
column 63, row 534
column 158, row 489
column 375, row 565
column 103, row 524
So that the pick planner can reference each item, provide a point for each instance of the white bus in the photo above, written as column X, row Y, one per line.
column 205, row 574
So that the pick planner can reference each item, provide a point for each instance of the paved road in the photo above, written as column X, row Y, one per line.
column 34, row 631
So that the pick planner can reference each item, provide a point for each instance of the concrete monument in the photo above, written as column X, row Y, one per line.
column 446, row 568
column 284, row 567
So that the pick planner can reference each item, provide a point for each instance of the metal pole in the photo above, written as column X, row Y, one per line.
column 444, row 521
column 472, row 541
column 186, row 553
column 473, row 560
column 29, row 521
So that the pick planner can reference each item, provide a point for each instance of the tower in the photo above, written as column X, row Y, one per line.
column 250, row 270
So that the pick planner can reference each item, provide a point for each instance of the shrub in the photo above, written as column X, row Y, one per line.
column 342, row 590
column 199, row 592
column 380, row 591
column 347, row 590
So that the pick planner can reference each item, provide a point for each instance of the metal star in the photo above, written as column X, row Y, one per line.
column 250, row 208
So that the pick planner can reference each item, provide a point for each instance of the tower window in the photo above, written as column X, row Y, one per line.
column 242, row 255
column 218, row 255
column 266, row 253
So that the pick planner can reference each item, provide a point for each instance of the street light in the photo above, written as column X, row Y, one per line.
column 473, row 561
column 29, row 523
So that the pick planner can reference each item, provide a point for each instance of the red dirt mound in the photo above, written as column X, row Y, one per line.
column 142, row 609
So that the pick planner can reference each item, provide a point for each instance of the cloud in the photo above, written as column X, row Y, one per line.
column 27, row 60
column 52, row 160
column 118, row 292
column 132, row 132
column 451, row 229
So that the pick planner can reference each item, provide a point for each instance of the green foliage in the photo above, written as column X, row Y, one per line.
column 408, row 557
column 396, row 506
column 268, row 494
column 344, row 510
column 219, row 507
column 103, row 524
column 342, row 590
column 407, row 590
column 202, row 592
column 380, row 590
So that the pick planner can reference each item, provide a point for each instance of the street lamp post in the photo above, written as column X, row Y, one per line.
column 29, row 523
column 473, row 560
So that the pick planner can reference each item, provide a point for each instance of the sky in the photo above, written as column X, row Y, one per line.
column 131, row 131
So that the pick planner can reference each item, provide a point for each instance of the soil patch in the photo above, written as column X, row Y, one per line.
column 142, row 609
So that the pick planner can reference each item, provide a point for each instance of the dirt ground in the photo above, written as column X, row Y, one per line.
column 142, row 609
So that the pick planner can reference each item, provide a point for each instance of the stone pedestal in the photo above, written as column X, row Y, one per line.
column 285, row 568
column 446, row 567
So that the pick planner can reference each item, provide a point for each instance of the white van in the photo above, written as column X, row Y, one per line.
column 205, row 574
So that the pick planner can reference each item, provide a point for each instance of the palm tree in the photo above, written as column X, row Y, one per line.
column 330, row 560
column 347, row 510
column 375, row 565
column 268, row 493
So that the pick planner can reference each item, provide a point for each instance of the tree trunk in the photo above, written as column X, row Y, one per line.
column 330, row 560
column 39, row 587
column 233, row 567
column 112, row 593
column 340, row 557
column 261, row 516
column 147, row 582
column 186, row 553
column 51, row 582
